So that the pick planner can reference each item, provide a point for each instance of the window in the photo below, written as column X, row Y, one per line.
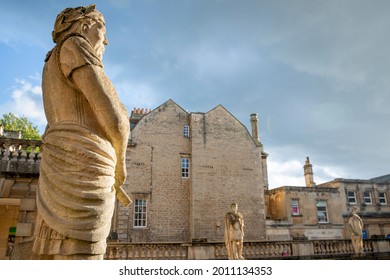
column 367, row 197
column 139, row 213
column 351, row 197
column 185, row 167
column 295, row 207
column 186, row 131
column 322, row 212
column 382, row 198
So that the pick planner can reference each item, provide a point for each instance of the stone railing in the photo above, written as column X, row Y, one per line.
column 19, row 155
column 335, row 247
column 297, row 249
column 258, row 250
column 154, row 251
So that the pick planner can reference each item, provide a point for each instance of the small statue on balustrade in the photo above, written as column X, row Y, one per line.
column 234, row 233
column 355, row 226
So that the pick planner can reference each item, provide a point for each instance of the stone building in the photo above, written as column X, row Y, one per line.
column 185, row 170
column 372, row 199
column 321, row 211
column 19, row 171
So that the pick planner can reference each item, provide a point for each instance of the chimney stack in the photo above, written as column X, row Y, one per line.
column 255, row 129
column 308, row 171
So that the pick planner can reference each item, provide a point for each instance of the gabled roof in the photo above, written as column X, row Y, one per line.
column 222, row 107
column 171, row 102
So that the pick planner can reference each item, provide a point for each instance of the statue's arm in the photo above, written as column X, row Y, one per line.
column 109, row 111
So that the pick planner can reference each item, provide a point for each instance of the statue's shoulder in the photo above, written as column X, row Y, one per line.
column 76, row 52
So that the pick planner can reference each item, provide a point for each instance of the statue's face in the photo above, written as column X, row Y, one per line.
column 234, row 208
column 96, row 34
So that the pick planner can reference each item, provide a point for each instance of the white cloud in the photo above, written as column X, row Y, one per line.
column 285, row 166
column 290, row 173
column 26, row 101
column 285, row 173
column 211, row 60
column 137, row 94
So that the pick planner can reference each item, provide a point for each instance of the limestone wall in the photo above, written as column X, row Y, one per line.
column 225, row 166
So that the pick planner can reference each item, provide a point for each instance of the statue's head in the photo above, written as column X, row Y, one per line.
column 234, row 207
column 354, row 210
column 86, row 21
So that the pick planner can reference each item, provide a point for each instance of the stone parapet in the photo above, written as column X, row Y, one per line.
column 19, row 156
column 297, row 249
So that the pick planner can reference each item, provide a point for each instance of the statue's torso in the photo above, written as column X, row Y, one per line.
column 63, row 101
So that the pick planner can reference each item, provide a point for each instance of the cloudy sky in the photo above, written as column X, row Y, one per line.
column 316, row 72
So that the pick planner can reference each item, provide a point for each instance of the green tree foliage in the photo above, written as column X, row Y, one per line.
column 28, row 130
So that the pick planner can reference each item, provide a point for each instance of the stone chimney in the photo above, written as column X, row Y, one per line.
column 255, row 129
column 136, row 116
column 308, row 171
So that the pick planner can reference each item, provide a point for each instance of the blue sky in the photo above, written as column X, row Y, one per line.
column 316, row 72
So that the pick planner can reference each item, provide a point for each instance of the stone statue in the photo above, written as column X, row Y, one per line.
column 84, row 144
column 355, row 226
column 234, row 233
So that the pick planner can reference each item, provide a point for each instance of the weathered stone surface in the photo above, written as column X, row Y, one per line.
column 355, row 227
column 234, row 233
column 225, row 166
column 83, row 158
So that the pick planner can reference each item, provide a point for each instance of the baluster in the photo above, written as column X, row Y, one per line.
column 124, row 252
column 7, row 152
column 184, row 253
column 136, row 251
column 254, row 249
column 160, row 253
column 322, row 248
column 117, row 253
column 130, row 252
column 39, row 156
column 23, row 153
column 178, row 249
column 166, row 255
column 154, row 252
column 342, row 247
column 31, row 156
column 15, row 153
column 141, row 248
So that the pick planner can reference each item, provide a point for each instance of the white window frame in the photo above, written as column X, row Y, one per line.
column 322, row 214
column 295, row 207
column 367, row 199
column 351, row 197
column 383, row 198
column 185, row 167
column 140, row 213
column 186, row 131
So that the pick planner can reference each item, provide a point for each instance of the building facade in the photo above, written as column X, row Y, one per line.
column 372, row 199
column 185, row 170
column 321, row 211
column 19, row 171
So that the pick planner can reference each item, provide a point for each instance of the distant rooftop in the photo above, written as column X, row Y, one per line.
column 381, row 179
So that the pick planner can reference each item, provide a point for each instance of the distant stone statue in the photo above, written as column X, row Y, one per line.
column 234, row 233
column 84, row 145
column 355, row 226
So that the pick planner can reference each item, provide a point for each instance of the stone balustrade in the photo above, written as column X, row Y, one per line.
column 297, row 249
column 20, row 155
column 155, row 251
column 334, row 247
column 256, row 250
